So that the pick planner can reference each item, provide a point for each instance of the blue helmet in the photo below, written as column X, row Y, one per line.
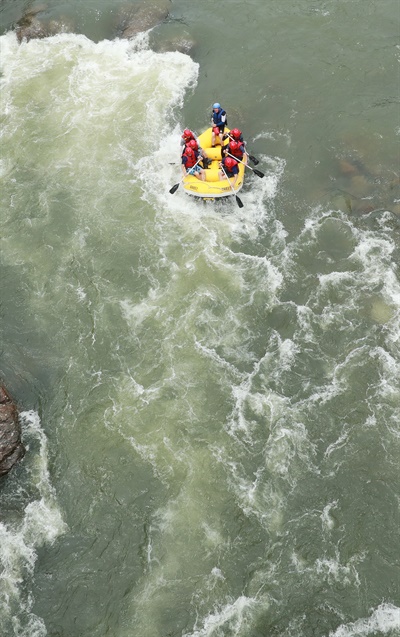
column 217, row 105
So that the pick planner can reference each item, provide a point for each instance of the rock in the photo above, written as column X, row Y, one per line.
column 363, row 207
column 62, row 25
column 348, row 168
column 11, row 447
column 32, row 27
column 394, row 183
column 29, row 15
column 183, row 44
column 360, row 186
column 30, row 31
column 149, row 14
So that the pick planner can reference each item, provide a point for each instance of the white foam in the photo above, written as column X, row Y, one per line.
column 385, row 620
column 234, row 615
column 289, row 451
column 274, row 135
column 338, row 444
column 41, row 524
column 136, row 314
column 330, row 568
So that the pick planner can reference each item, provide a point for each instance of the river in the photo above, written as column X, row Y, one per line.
column 210, row 395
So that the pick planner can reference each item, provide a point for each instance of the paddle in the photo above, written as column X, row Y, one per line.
column 258, row 172
column 251, row 157
column 176, row 186
column 238, row 201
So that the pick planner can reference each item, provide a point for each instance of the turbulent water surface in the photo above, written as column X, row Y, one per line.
column 211, row 394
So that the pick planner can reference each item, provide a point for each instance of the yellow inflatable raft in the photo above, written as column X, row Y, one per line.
column 212, row 187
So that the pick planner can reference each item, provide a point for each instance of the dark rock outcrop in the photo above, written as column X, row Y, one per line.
column 133, row 20
column 34, row 26
column 183, row 44
column 11, row 447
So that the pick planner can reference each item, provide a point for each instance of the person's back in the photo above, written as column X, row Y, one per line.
column 188, row 136
column 190, row 161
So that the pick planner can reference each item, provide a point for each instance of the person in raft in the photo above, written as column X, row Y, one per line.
column 188, row 136
column 235, row 135
column 235, row 150
column 219, row 121
column 229, row 168
column 190, row 158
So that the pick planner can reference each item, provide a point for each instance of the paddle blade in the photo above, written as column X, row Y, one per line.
column 239, row 202
column 254, row 160
column 174, row 189
column 259, row 173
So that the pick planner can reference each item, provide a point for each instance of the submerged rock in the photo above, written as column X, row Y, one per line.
column 347, row 168
column 183, row 44
column 32, row 26
column 135, row 20
column 30, row 30
column 11, row 447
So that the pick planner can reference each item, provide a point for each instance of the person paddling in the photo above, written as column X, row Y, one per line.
column 219, row 121
column 188, row 136
column 229, row 168
column 236, row 135
column 190, row 158
column 236, row 149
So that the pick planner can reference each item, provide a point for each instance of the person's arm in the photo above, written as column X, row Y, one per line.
column 243, row 150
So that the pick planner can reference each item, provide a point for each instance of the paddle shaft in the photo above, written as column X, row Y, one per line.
column 238, row 201
column 258, row 172
column 176, row 186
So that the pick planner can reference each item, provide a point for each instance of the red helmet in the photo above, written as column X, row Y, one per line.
column 234, row 145
column 235, row 132
column 230, row 163
column 193, row 144
column 187, row 134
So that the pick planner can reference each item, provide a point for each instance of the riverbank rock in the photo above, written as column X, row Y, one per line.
column 34, row 26
column 134, row 20
column 11, row 447
column 183, row 44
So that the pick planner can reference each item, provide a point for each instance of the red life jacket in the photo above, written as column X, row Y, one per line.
column 191, row 157
column 229, row 169
column 236, row 153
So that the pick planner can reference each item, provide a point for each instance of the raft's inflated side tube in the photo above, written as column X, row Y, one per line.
column 213, row 187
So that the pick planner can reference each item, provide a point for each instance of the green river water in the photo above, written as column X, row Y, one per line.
column 210, row 395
